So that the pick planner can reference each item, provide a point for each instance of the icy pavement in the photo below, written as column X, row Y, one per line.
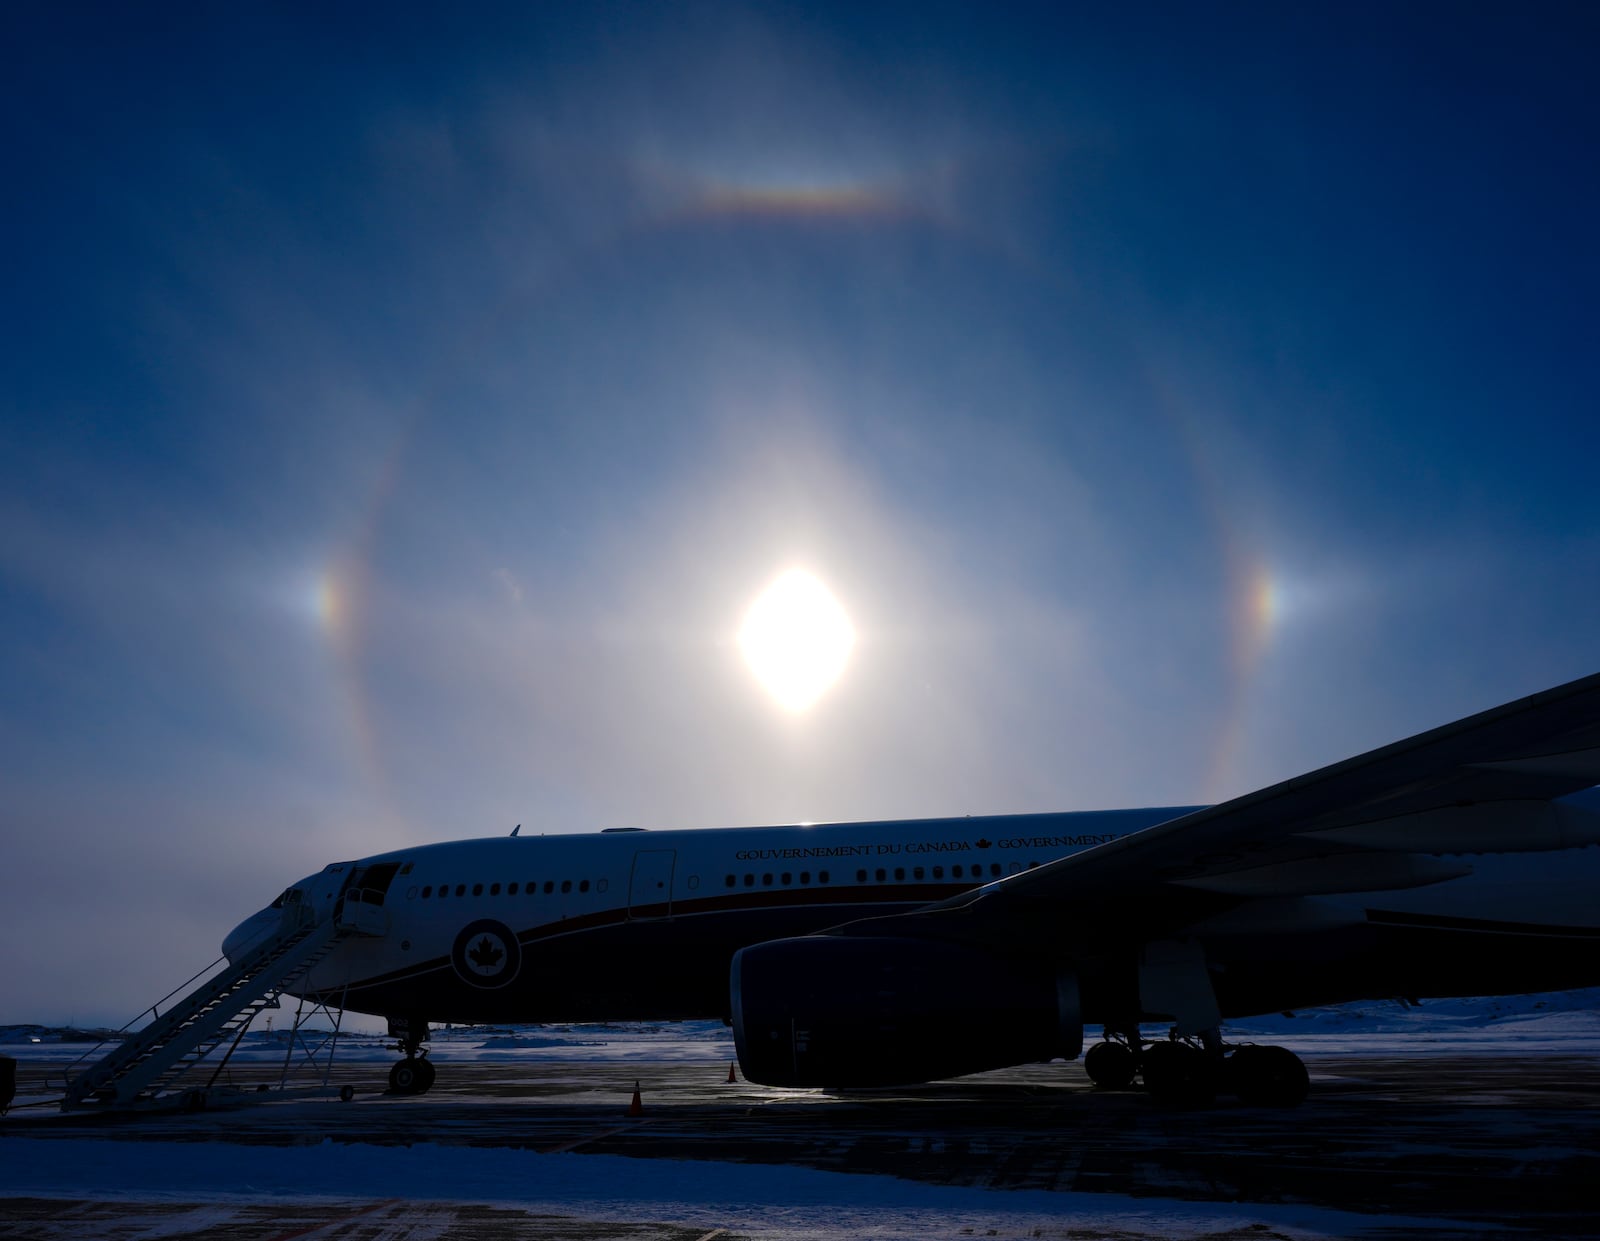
column 1450, row 1146
column 770, row 1202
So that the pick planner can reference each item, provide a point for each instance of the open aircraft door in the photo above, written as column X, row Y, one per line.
column 650, row 883
column 360, row 907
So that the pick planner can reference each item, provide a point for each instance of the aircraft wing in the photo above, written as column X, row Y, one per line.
column 1374, row 822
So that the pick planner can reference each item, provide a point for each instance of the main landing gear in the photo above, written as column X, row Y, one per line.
column 414, row 1074
column 1192, row 1073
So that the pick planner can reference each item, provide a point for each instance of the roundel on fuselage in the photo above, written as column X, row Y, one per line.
column 486, row 954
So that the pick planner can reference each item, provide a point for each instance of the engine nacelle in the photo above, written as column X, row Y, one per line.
column 830, row 1010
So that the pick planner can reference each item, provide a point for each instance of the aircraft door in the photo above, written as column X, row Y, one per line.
column 373, row 882
column 650, row 883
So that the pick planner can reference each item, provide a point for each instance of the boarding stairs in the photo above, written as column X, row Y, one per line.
column 145, row 1066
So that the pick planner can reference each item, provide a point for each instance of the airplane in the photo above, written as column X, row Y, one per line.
column 1461, row 861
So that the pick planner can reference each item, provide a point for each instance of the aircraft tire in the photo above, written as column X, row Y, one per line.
column 1177, row 1075
column 1268, row 1077
column 1110, row 1066
column 426, row 1074
column 405, row 1077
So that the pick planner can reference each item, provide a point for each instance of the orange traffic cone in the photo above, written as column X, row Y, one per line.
column 732, row 1076
column 636, row 1108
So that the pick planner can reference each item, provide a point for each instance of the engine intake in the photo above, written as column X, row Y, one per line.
column 829, row 1010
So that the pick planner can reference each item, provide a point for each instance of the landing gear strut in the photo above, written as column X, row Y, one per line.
column 1179, row 1074
column 414, row 1074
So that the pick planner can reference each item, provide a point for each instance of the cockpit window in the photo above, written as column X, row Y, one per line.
column 278, row 904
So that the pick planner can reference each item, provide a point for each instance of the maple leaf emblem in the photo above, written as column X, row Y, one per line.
column 486, row 954
column 982, row 843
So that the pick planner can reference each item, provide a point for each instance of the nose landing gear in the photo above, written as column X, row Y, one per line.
column 415, row 1074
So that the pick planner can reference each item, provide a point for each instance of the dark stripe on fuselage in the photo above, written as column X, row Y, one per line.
column 736, row 919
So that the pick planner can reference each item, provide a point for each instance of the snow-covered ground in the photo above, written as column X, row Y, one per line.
column 1564, row 1021
column 658, row 1043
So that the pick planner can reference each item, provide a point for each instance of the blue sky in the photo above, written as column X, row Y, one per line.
column 402, row 410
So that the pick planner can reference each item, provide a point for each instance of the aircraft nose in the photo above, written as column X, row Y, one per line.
column 238, row 942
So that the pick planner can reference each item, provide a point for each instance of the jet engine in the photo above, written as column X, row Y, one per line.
column 829, row 1010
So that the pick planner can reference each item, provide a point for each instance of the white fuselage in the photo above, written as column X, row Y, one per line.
column 642, row 925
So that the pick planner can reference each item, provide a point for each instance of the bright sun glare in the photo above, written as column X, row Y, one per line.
column 796, row 639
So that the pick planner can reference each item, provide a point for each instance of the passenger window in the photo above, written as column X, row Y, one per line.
column 549, row 886
column 694, row 882
column 444, row 890
column 766, row 880
column 749, row 881
column 494, row 889
column 511, row 890
column 477, row 889
column 427, row 892
column 600, row 885
column 994, row 869
column 917, row 873
column 955, row 872
column 411, row 891
column 861, row 876
column 822, row 876
column 461, row 889
column 805, row 876
column 583, row 885
column 566, row 885
column 787, row 878
column 731, row 881
column 938, row 872
column 882, row 874
column 899, row 872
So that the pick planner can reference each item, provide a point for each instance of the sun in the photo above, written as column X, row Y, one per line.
column 796, row 639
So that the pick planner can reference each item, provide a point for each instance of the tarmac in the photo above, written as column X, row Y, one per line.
column 1479, row 1145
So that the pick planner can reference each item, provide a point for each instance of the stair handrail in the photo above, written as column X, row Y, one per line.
column 300, row 970
column 299, row 920
column 152, row 1012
